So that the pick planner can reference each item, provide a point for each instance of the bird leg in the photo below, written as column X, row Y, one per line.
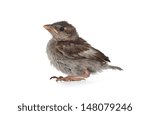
column 86, row 74
column 68, row 78
column 72, row 78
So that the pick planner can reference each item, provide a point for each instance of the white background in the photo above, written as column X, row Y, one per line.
column 119, row 28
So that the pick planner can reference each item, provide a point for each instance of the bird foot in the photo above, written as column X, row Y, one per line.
column 68, row 78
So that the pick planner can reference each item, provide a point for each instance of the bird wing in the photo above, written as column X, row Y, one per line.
column 80, row 49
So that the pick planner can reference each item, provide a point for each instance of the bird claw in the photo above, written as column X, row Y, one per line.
column 68, row 78
column 57, row 78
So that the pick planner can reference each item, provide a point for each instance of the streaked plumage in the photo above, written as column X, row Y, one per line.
column 72, row 55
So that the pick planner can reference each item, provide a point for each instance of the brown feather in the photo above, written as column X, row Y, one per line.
column 73, row 49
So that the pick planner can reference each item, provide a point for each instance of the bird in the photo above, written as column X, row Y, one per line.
column 72, row 55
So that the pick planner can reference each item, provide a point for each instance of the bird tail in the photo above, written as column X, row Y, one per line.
column 115, row 67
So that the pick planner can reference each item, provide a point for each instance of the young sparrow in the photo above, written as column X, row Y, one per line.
column 72, row 55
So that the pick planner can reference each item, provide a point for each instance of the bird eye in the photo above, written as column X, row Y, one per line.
column 61, row 28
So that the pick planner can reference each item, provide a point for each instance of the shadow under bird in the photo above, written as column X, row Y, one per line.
column 72, row 55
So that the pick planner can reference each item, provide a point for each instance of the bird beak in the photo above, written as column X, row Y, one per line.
column 50, row 28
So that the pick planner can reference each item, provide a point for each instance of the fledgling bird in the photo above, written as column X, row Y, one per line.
column 72, row 55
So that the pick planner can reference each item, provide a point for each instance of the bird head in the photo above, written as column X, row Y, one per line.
column 62, row 31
